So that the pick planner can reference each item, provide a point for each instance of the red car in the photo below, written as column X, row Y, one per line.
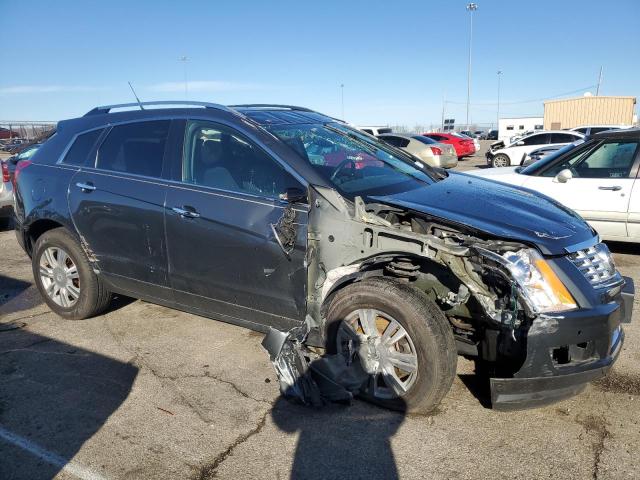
column 463, row 147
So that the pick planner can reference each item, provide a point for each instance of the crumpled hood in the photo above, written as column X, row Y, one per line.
column 498, row 209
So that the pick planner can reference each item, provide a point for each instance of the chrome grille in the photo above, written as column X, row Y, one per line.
column 595, row 263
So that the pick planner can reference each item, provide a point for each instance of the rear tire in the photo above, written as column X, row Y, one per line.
column 500, row 160
column 5, row 223
column 65, row 278
column 428, row 342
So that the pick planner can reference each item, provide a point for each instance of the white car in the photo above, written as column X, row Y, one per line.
column 593, row 129
column 501, row 155
column 596, row 178
column 375, row 130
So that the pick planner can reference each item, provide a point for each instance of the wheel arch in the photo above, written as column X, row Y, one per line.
column 37, row 228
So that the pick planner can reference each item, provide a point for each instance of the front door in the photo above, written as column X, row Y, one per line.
column 117, row 205
column 224, row 258
column 601, row 186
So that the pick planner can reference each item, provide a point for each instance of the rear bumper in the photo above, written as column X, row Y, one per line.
column 446, row 161
column 592, row 340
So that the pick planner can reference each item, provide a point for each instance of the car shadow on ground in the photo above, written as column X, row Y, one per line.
column 17, row 295
column 340, row 442
column 479, row 386
column 53, row 398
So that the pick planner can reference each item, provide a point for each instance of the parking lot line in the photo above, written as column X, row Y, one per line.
column 72, row 468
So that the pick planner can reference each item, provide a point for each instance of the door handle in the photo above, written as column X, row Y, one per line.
column 86, row 187
column 613, row 189
column 184, row 213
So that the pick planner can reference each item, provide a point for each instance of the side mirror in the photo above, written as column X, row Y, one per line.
column 563, row 176
column 520, row 143
column 294, row 195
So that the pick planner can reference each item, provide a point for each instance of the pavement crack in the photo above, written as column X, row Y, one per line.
column 597, row 426
column 28, row 347
column 210, row 470
column 31, row 315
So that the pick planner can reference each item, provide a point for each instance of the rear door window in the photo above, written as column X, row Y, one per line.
column 541, row 139
column 136, row 148
column 563, row 138
column 82, row 147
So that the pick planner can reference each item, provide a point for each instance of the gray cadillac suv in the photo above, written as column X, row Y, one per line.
column 370, row 269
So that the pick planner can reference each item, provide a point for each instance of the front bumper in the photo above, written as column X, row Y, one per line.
column 565, row 352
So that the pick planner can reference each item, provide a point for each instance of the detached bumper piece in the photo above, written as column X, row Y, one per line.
column 566, row 352
column 308, row 378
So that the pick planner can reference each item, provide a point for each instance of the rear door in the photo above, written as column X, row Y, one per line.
column 603, row 179
column 527, row 145
column 117, row 205
column 222, row 208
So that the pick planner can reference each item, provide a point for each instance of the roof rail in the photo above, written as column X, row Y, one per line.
column 108, row 108
column 270, row 105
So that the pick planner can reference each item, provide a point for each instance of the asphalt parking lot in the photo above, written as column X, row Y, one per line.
column 148, row 392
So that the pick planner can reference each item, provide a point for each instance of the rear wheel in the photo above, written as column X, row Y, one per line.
column 403, row 341
column 500, row 160
column 65, row 278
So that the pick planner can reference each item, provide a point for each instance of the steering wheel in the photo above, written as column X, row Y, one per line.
column 340, row 166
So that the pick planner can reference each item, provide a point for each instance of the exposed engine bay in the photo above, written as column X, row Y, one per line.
column 475, row 281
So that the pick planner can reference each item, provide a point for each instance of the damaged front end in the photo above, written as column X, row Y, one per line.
column 507, row 305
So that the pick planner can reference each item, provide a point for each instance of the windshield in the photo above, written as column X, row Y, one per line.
column 354, row 163
column 541, row 164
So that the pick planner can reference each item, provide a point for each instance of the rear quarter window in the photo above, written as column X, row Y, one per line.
column 136, row 148
column 82, row 147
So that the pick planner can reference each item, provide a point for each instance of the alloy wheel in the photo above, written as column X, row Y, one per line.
column 59, row 277
column 386, row 351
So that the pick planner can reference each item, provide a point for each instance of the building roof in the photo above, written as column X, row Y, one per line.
column 591, row 98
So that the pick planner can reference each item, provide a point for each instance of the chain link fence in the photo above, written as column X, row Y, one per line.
column 28, row 130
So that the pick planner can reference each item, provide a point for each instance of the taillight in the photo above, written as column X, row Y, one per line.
column 5, row 172
column 21, row 165
column 436, row 150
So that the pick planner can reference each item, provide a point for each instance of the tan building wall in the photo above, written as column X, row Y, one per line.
column 574, row 112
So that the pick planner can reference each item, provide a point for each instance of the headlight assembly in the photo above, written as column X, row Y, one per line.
column 539, row 284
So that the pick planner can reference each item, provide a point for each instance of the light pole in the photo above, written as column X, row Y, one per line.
column 184, row 59
column 471, row 7
column 342, row 101
column 498, row 116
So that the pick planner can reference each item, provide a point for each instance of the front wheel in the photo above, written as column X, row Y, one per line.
column 65, row 278
column 500, row 160
column 402, row 339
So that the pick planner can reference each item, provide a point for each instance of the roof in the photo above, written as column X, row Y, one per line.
column 590, row 98
column 627, row 133
column 403, row 135
column 260, row 113
column 281, row 114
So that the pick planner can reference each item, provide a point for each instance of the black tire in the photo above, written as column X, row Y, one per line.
column 93, row 298
column 500, row 160
column 424, row 323
column 5, row 223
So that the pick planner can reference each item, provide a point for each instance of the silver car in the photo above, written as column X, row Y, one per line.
column 428, row 150
column 6, row 195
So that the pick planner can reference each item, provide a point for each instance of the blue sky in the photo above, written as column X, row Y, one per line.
column 396, row 60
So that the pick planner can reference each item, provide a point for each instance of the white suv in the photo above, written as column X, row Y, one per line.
column 501, row 155
column 589, row 130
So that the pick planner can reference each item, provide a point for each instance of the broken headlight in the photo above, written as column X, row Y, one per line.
column 539, row 284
